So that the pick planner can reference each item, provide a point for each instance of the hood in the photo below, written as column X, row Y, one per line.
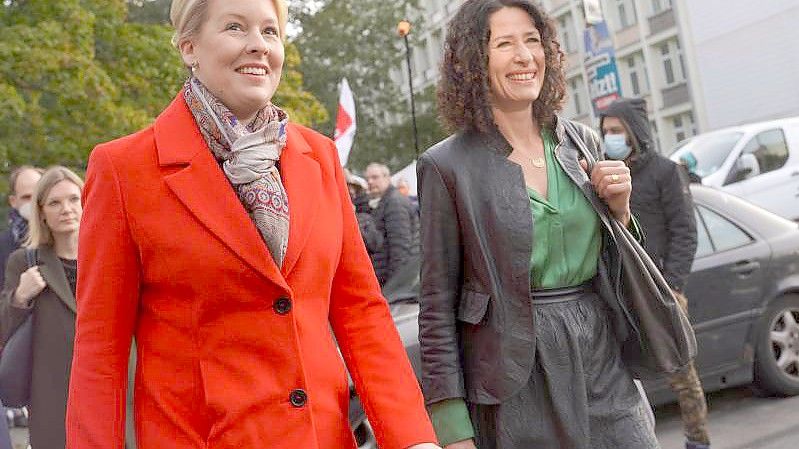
column 632, row 111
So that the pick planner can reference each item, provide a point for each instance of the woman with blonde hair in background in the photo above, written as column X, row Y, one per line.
column 225, row 241
column 47, row 290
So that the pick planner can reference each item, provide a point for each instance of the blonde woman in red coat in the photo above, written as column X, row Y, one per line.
column 224, row 239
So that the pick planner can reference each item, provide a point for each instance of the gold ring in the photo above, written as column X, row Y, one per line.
column 614, row 177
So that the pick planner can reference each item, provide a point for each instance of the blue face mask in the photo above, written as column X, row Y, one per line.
column 616, row 147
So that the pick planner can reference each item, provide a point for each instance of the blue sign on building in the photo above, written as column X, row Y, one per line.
column 604, row 84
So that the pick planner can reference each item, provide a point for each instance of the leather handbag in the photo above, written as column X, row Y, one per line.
column 666, row 340
column 16, row 361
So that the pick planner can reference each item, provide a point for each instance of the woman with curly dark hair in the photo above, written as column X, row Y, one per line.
column 520, row 325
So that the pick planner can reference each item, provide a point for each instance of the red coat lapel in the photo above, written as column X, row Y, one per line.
column 302, row 178
column 205, row 191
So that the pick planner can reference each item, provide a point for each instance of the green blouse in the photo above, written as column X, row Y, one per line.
column 567, row 240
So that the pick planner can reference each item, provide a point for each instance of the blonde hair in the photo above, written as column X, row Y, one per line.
column 38, row 232
column 187, row 17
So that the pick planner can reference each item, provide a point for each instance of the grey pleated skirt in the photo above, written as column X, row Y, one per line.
column 580, row 394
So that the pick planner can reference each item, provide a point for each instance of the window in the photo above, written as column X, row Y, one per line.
column 724, row 235
column 703, row 245
column 660, row 5
column 770, row 150
column 566, row 31
column 626, row 12
column 636, row 70
column 673, row 64
column 684, row 126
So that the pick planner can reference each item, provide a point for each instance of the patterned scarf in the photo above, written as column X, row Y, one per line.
column 18, row 225
column 248, row 154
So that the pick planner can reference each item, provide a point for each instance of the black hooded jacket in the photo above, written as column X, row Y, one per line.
column 661, row 199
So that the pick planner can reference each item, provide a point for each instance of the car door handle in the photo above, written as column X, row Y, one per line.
column 746, row 267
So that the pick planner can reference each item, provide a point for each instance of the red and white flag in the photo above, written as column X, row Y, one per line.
column 345, row 122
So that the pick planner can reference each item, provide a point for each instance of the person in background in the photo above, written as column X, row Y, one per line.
column 405, row 190
column 395, row 221
column 688, row 162
column 22, row 184
column 223, row 238
column 520, row 325
column 662, row 202
column 48, row 292
column 372, row 238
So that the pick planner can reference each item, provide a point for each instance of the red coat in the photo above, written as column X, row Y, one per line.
column 232, row 351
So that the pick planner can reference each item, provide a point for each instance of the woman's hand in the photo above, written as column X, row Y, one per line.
column 31, row 283
column 613, row 183
column 465, row 444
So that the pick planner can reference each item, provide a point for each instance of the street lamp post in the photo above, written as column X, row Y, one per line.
column 404, row 29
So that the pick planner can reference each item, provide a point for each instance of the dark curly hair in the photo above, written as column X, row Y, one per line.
column 463, row 89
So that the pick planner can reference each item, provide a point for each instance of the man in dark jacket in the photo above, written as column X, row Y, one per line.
column 22, row 185
column 395, row 219
column 662, row 203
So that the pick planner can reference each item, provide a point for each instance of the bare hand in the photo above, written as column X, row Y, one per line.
column 31, row 283
column 465, row 444
column 613, row 183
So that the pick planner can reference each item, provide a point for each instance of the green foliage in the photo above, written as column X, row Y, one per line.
column 357, row 39
column 300, row 104
column 74, row 73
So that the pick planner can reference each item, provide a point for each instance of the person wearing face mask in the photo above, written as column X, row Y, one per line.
column 22, row 183
column 661, row 201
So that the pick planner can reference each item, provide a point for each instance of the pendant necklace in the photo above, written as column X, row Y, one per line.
column 538, row 162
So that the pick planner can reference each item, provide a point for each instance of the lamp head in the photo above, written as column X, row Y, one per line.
column 404, row 28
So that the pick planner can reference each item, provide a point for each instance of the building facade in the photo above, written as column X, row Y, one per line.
column 700, row 65
column 649, row 57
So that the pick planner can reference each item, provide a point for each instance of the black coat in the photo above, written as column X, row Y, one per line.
column 476, row 326
column 7, row 246
column 661, row 199
column 398, row 223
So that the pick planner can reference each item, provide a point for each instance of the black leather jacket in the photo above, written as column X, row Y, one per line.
column 476, row 323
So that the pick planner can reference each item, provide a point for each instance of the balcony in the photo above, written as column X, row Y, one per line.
column 662, row 21
column 627, row 36
column 675, row 95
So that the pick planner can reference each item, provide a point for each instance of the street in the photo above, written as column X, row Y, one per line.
column 738, row 420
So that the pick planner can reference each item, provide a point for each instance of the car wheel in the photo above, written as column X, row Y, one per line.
column 777, row 348
column 364, row 436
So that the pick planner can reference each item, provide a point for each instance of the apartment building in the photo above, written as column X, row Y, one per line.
column 649, row 57
column 700, row 65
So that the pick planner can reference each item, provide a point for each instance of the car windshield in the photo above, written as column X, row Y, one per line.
column 709, row 151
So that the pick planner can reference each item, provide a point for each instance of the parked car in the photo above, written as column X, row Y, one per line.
column 743, row 295
column 758, row 162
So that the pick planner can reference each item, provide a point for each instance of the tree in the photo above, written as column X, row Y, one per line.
column 74, row 73
column 356, row 39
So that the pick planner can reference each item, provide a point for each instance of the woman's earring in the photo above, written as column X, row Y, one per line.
column 195, row 65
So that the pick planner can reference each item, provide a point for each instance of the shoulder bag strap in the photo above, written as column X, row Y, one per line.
column 32, row 256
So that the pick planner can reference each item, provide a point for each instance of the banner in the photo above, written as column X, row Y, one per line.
column 345, row 122
column 604, row 84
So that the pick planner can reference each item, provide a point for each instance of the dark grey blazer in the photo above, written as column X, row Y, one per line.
column 476, row 323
